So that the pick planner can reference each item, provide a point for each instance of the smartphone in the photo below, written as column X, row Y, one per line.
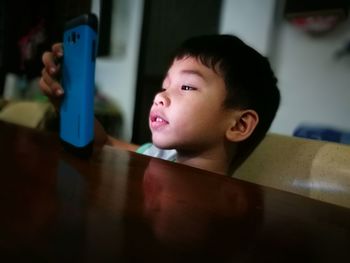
column 78, row 81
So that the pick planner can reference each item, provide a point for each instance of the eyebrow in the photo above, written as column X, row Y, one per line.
column 194, row 72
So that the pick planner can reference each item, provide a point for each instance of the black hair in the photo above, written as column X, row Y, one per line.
column 248, row 77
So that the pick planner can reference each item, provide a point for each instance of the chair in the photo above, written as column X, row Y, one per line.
column 27, row 113
column 316, row 169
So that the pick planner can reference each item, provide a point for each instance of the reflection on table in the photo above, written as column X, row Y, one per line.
column 125, row 207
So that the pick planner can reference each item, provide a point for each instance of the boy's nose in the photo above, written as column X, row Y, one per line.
column 161, row 99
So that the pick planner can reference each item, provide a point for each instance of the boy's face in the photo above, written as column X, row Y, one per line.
column 188, row 114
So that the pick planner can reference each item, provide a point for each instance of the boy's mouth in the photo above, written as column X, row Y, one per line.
column 157, row 121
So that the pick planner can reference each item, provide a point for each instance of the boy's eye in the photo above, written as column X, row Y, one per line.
column 186, row 87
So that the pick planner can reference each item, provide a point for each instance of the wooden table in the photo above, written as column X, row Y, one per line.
column 119, row 206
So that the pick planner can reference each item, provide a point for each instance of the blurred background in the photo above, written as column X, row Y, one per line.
column 307, row 42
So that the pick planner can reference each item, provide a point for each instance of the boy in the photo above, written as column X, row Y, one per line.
column 216, row 103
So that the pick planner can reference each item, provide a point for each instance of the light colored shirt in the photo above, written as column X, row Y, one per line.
column 151, row 150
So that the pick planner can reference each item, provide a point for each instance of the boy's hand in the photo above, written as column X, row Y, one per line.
column 49, row 82
column 51, row 87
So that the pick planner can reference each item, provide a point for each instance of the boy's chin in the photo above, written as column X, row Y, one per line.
column 162, row 144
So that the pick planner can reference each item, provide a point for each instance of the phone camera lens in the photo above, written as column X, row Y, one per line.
column 74, row 37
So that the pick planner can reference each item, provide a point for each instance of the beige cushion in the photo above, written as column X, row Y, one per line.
column 316, row 169
column 26, row 113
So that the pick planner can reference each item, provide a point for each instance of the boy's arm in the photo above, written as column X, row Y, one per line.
column 121, row 144
column 102, row 138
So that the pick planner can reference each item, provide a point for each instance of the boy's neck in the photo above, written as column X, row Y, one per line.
column 215, row 160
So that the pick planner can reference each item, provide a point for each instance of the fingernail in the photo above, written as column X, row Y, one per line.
column 52, row 70
column 59, row 92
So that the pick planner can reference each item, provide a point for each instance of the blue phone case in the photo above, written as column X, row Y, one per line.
column 78, row 80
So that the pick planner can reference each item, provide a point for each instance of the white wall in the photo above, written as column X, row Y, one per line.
column 116, row 75
column 315, row 87
column 250, row 20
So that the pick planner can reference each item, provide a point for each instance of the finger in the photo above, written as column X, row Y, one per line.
column 48, row 92
column 57, row 50
column 55, row 88
column 48, row 60
column 46, row 77
column 45, row 88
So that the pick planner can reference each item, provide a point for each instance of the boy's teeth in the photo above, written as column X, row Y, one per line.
column 159, row 119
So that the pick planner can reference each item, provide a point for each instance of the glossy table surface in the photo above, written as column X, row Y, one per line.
column 119, row 206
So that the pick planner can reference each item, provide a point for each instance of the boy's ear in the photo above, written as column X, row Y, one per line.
column 243, row 125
